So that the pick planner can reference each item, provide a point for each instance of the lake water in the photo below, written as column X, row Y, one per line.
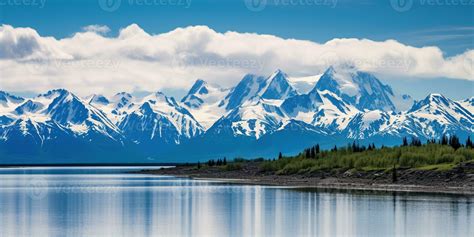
column 102, row 202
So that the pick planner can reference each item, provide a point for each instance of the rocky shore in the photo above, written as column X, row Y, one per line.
column 459, row 180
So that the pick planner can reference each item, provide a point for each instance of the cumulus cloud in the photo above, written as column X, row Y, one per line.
column 89, row 62
column 99, row 29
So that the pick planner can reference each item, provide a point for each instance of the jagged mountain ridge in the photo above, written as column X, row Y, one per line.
column 259, row 110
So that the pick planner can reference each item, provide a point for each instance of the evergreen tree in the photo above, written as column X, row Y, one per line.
column 415, row 141
column 307, row 153
column 444, row 140
column 313, row 152
column 454, row 142
column 225, row 161
column 469, row 142
column 280, row 156
column 199, row 165
column 318, row 150
column 405, row 141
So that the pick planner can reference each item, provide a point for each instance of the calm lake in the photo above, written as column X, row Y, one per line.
column 93, row 201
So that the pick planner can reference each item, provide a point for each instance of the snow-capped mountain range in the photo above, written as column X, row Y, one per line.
column 258, row 117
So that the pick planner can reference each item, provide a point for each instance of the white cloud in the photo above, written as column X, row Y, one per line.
column 99, row 29
column 89, row 62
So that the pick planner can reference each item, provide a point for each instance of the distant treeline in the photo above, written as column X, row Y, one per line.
column 444, row 153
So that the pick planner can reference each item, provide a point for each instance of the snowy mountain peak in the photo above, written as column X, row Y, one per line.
column 199, row 87
column 161, row 101
column 468, row 104
column 29, row 107
column 247, row 88
column 361, row 89
column 99, row 99
column 431, row 101
column 6, row 97
column 55, row 93
column 278, row 73
column 206, row 102
column 122, row 100
column 123, row 95
column 254, row 118
column 203, row 93
column 161, row 120
column 469, row 101
column 278, row 87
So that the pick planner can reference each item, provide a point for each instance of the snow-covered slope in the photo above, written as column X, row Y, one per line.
column 343, row 105
column 116, row 107
column 275, row 87
column 323, row 109
column 58, row 115
column 203, row 102
column 159, row 118
column 361, row 89
column 333, row 114
column 432, row 117
column 364, row 125
column 278, row 87
column 246, row 89
column 468, row 104
column 8, row 102
column 254, row 118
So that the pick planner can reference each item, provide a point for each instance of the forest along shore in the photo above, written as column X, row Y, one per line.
column 459, row 180
column 444, row 166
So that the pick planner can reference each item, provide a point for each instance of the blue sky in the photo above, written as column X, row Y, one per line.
column 451, row 28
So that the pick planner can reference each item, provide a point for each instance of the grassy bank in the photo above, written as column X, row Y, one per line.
column 428, row 156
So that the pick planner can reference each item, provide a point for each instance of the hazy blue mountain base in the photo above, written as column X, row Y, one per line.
column 259, row 117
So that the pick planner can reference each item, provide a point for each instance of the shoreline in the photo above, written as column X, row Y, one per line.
column 427, row 182
column 353, row 187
